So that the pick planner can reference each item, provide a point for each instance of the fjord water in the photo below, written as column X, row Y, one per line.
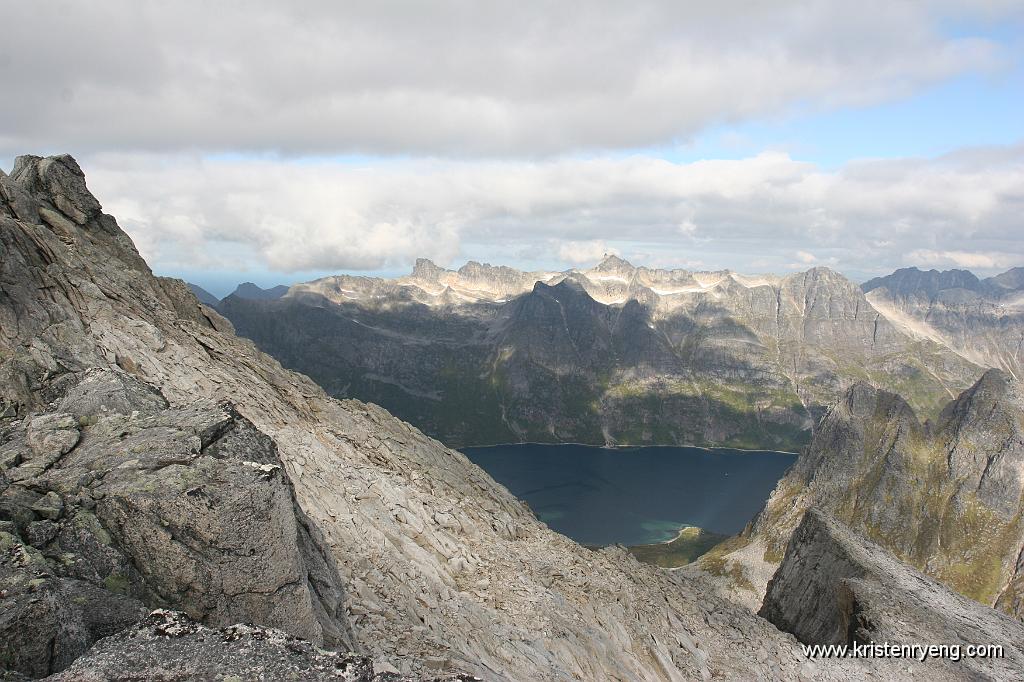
column 634, row 495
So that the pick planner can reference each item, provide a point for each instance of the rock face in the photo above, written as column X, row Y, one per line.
column 946, row 497
column 611, row 354
column 141, row 441
column 117, row 502
column 170, row 646
column 981, row 320
column 834, row 587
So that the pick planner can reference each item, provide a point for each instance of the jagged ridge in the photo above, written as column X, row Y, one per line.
column 610, row 355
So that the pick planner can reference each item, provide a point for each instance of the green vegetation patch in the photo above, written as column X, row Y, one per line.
column 116, row 583
column 688, row 545
column 716, row 563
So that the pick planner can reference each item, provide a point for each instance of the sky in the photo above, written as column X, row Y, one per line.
column 278, row 142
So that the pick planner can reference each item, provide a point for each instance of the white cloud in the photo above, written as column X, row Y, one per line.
column 585, row 253
column 524, row 78
column 964, row 259
column 748, row 214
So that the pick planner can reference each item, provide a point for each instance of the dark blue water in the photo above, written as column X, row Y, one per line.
column 631, row 496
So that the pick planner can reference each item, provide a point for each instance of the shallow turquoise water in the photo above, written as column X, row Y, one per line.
column 631, row 496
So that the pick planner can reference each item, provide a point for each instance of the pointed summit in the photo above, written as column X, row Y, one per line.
column 57, row 180
column 612, row 263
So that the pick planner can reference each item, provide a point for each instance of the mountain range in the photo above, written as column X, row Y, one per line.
column 982, row 320
column 246, row 290
column 175, row 505
column 617, row 354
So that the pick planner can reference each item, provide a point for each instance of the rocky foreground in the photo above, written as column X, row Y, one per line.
column 150, row 459
column 835, row 587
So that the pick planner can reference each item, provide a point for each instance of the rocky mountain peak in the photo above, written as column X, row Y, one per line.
column 947, row 499
column 862, row 400
column 474, row 269
column 913, row 281
column 613, row 263
column 1012, row 280
column 994, row 389
column 426, row 270
column 568, row 285
column 61, row 180
column 255, row 292
column 821, row 275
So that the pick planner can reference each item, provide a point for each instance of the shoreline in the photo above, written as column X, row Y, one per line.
column 624, row 447
column 679, row 534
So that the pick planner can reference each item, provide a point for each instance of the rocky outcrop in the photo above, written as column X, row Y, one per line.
column 834, row 587
column 171, row 647
column 946, row 496
column 117, row 502
column 613, row 354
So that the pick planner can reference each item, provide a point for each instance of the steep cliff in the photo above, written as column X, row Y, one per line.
column 945, row 497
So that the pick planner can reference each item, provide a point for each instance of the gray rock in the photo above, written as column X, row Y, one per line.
column 62, row 180
column 52, row 435
column 47, row 621
column 189, row 507
column 945, row 496
column 40, row 533
column 834, row 587
column 106, row 391
column 49, row 506
column 16, row 503
column 169, row 646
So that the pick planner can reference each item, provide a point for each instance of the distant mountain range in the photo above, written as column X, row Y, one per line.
column 246, row 290
column 617, row 354
column 980, row 319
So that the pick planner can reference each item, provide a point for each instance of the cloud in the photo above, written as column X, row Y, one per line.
column 449, row 78
column 584, row 253
column 746, row 214
column 964, row 259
